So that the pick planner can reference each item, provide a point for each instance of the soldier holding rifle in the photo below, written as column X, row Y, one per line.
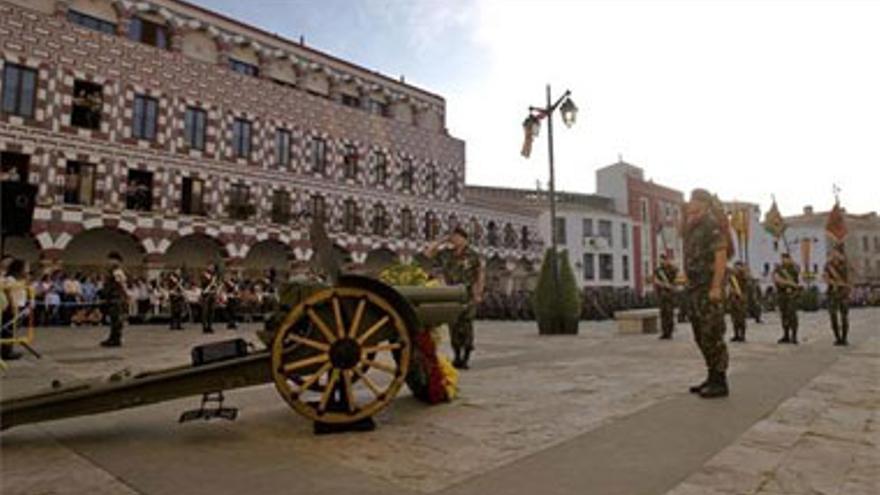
column 738, row 300
column 786, row 277
column 664, row 285
column 210, row 286
column 174, row 286
column 837, row 277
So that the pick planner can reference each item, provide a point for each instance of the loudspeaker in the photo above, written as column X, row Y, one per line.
column 18, row 207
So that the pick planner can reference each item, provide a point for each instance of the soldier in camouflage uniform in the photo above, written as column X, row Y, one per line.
column 755, row 301
column 664, row 286
column 116, row 299
column 707, row 247
column 837, row 277
column 786, row 277
column 461, row 265
column 737, row 300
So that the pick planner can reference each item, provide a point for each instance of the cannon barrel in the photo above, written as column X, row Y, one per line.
column 420, row 307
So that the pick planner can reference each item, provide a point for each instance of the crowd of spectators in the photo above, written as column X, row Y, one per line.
column 75, row 298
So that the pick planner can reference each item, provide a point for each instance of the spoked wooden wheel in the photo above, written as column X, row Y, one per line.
column 341, row 356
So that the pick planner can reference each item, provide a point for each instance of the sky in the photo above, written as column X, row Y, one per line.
column 748, row 99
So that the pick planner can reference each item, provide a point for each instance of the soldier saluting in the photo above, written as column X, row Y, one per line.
column 461, row 265
column 116, row 299
column 836, row 275
column 664, row 284
column 738, row 300
column 707, row 247
column 786, row 277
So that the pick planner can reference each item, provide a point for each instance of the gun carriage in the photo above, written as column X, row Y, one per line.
column 337, row 353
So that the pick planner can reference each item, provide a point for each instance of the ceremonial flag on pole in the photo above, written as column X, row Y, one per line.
column 773, row 221
column 835, row 227
column 740, row 222
column 529, row 131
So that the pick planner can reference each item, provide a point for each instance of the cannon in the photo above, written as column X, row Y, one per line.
column 338, row 353
column 339, row 356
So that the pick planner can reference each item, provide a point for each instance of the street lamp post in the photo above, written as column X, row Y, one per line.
column 532, row 126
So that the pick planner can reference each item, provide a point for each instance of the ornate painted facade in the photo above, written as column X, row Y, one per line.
column 115, row 109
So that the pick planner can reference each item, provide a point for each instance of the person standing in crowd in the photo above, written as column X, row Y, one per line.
column 232, row 291
column 738, row 300
column 755, row 302
column 14, row 286
column 707, row 247
column 174, row 286
column 210, row 287
column 786, row 277
column 460, row 265
column 116, row 299
column 664, row 286
column 836, row 275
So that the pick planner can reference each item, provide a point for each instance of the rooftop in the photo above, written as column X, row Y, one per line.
column 533, row 201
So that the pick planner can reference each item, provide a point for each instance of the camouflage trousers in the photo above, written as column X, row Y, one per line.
column 707, row 320
column 115, row 313
column 461, row 333
column 838, row 304
column 788, row 311
column 738, row 312
column 667, row 314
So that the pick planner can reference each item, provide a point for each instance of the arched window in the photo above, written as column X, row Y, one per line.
column 432, row 226
column 509, row 236
column 492, row 234
column 380, row 219
column 406, row 223
column 351, row 218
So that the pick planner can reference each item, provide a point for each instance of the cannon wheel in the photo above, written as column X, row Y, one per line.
column 341, row 355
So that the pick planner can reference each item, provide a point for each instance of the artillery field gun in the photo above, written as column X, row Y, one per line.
column 338, row 354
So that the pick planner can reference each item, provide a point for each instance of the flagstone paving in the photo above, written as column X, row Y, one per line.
column 541, row 408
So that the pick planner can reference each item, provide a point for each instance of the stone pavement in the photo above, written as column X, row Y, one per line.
column 593, row 413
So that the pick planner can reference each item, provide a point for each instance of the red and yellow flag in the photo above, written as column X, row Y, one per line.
column 835, row 227
column 773, row 221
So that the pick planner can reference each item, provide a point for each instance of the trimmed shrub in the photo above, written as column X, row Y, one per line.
column 557, row 312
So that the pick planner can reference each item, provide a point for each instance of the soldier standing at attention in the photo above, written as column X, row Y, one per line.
column 210, row 286
column 176, row 300
column 707, row 247
column 837, row 277
column 116, row 299
column 664, row 285
column 786, row 277
column 461, row 265
column 738, row 300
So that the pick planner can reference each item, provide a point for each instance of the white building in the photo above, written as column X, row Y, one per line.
column 598, row 239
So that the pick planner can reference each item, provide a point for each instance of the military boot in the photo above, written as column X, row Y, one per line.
column 716, row 387
column 464, row 361
column 794, row 339
column 844, row 335
column 785, row 339
column 456, row 362
column 695, row 389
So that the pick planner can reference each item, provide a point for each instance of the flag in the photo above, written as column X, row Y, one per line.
column 529, row 136
column 806, row 245
column 773, row 221
column 739, row 221
column 835, row 227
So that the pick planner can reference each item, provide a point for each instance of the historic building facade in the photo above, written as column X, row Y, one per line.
column 655, row 211
column 179, row 136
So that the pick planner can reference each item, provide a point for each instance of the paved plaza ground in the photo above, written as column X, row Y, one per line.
column 598, row 413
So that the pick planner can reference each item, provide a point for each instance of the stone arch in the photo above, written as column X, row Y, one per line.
column 23, row 247
column 497, row 274
column 282, row 70
column 317, row 82
column 89, row 248
column 194, row 251
column 246, row 54
column 378, row 259
column 200, row 45
column 105, row 10
column 268, row 254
